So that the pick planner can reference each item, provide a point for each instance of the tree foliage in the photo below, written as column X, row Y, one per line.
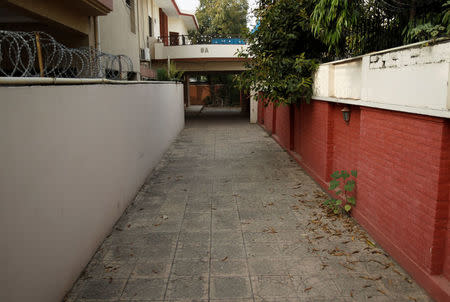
column 282, row 51
column 294, row 35
column 222, row 17
column 353, row 26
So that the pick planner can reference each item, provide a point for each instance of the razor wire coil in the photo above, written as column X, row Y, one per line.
column 34, row 54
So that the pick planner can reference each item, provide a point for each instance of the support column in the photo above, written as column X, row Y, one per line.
column 187, row 99
column 253, row 107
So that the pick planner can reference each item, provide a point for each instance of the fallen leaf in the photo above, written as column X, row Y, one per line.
column 396, row 271
column 379, row 290
column 270, row 230
column 308, row 288
column 370, row 278
column 225, row 259
column 110, row 280
column 154, row 271
column 129, row 225
column 347, row 267
column 370, row 243
column 339, row 254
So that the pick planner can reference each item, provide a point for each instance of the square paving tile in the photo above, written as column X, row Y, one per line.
column 102, row 289
column 150, row 289
column 190, row 267
column 269, row 287
column 267, row 266
column 229, row 267
column 152, row 269
column 230, row 287
column 230, row 250
column 193, row 287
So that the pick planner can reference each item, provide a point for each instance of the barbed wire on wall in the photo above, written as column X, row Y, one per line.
column 37, row 54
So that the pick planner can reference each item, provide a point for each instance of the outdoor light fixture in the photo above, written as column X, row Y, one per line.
column 346, row 114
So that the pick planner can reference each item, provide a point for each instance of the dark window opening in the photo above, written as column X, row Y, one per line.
column 150, row 33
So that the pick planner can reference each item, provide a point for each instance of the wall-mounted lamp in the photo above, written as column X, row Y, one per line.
column 346, row 114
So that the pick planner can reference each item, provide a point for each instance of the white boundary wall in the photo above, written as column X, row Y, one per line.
column 412, row 78
column 71, row 159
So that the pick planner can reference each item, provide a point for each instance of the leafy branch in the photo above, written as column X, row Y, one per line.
column 342, row 184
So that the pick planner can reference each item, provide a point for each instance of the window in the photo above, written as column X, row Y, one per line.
column 130, row 4
column 150, row 33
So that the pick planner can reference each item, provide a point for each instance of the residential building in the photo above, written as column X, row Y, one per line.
column 134, row 27
column 73, row 23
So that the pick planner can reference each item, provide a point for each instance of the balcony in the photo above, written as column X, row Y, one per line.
column 187, row 47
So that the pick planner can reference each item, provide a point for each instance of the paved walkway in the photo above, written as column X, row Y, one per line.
column 228, row 216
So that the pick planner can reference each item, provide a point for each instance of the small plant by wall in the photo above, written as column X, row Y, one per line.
column 342, row 185
column 172, row 75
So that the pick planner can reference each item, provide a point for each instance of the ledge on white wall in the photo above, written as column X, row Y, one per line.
column 412, row 78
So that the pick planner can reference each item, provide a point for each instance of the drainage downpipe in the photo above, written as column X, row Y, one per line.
column 97, row 33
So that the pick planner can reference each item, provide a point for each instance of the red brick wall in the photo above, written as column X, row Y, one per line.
column 261, row 111
column 402, row 155
column 282, row 126
column 344, row 139
column 444, row 199
column 403, row 185
column 310, row 137
column 269, row 117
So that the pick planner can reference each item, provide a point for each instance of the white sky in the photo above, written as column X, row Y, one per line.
column 191, row 6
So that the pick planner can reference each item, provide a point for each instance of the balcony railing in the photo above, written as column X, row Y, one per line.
column 175, row 40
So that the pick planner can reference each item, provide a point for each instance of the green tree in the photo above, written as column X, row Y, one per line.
column 283, row 52
column 358, row 26
column 222, row 17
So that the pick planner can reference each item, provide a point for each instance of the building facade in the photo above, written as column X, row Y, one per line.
column 73, row 23
column 134, row 27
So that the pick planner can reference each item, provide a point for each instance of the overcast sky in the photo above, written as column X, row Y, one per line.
column 191, row 6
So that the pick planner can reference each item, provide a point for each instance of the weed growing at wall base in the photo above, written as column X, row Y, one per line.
column 342, row 185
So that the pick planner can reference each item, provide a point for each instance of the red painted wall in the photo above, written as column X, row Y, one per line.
column 282, row 126
column 261, row 111
column 403, row 185
column 310, row 137
column 269, row 117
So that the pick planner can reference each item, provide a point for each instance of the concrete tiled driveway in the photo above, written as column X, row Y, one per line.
column 228, row 216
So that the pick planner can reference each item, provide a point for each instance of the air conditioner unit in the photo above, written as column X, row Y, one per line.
column 145, row 54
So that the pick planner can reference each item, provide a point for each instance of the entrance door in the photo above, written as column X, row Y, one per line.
column 163, row 27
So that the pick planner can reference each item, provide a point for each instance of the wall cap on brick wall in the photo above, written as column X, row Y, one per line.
column 393, row 107
column 413, row 78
